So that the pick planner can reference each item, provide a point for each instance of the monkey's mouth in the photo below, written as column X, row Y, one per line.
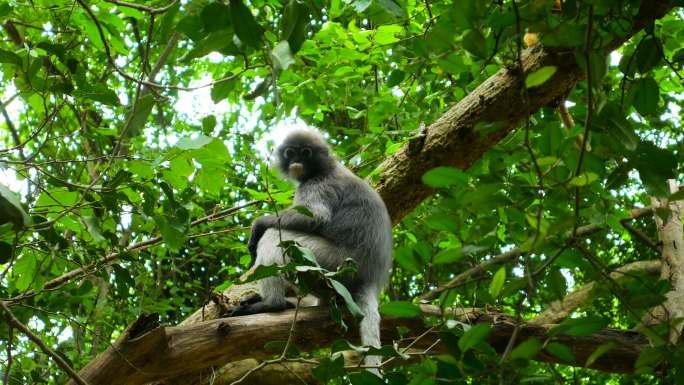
column 296, row 170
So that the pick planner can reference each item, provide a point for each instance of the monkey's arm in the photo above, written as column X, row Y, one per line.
column 289, row 219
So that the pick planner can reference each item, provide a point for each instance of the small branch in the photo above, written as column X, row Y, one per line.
column 12, row 129
column 73, row 274
column 8, row 367
column 37, row 131
column 640, row 235
column 590, row 109
column 121, row 72
column 559, row 310
column 14, row 322
column 143, row 8
column 511, row 255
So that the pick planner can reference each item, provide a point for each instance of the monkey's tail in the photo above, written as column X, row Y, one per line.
column 370, row 326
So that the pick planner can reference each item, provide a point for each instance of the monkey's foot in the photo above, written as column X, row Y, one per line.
column 254, row 298
column 259, row 307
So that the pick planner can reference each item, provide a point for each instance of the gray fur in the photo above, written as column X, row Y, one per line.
column 350, row 220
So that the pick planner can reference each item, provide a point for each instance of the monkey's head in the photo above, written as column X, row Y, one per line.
column 303, row 155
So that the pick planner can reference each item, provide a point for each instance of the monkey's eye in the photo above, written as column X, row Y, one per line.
column 289, row 153
column 306, row 152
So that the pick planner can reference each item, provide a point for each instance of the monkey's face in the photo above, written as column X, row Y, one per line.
column 304, row 155
column 297, row 162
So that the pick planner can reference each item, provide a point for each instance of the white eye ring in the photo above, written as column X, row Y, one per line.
column 306, row 152
column 289, row 153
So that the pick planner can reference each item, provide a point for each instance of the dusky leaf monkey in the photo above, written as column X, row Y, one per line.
column 349, row 220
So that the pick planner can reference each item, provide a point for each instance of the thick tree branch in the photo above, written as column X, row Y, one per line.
column 453, row 140
column 147, row 352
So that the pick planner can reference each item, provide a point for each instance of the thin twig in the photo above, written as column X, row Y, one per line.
column 143, row 8
column 36, row 340
column 8, row 367
column 73, row 274
column 590, row 109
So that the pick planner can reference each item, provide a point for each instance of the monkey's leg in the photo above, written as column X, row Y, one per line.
column 274, row 289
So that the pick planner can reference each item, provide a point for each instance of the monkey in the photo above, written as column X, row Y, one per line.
column 349, row 220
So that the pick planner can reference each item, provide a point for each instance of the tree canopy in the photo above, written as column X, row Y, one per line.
column 529, row 152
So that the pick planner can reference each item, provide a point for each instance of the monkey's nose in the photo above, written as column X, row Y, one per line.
column 296, row 170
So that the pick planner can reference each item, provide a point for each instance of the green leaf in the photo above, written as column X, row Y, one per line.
column 295, row 24
column 380, row 11
column 440, row 221
column 187, row 143
column 5, row 9
column 353, row 308
column 365, row 377
column 497, row 282
column 386, row 34
column 215, row 16
column 579, row 326
column 618, row 126
column 583, row 179
column 173, row 234
column 140, row 113
column 192, row 26
column 208, row 124
column 645, row 95
column 215, row 41
column 540, row 76
column 473, row 336
column 93, row 228
column 395, row 78
column 601, row 350
column 10, row 57
column 678, row 57
column 561, row 351
column 526, row 350
column 444, row 177
column 5, row 252
column 655, row 165
column 329, row 368
column 11, row 210
column 222, row 90
column 599, row 66
column 475, row 43
column 447, row 256
column 24, row 271
column 401, row 309
column 100, row 94
column 405, row 258
column 649, row 358
column 649, row 54
column 282, row 56
column 246, row 27
column 56, row 200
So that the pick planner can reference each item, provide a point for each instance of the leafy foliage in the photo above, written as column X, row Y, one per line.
column 105, row 165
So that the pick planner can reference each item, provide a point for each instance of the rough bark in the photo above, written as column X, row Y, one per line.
column 670, row 232
column 148, row 352
column 559, row 310
column 453, row 139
